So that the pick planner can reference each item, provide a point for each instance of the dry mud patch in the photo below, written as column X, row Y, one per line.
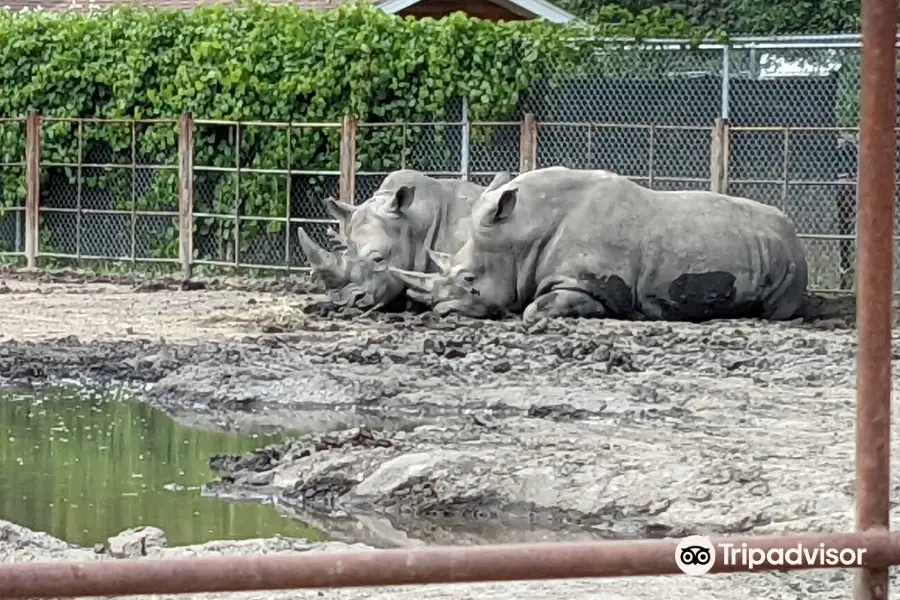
column 422, row 430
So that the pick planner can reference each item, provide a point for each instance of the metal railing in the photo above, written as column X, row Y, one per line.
column 187, row 192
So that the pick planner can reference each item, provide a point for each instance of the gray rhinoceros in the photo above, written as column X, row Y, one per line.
column 561, row 242
column 409, row 214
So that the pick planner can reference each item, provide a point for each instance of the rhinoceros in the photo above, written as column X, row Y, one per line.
column 409, row 214
column 558, row 242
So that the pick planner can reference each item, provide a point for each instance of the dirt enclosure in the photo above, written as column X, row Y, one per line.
column 413, row 429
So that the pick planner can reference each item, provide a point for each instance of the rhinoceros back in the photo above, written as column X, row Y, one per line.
column 692, row 255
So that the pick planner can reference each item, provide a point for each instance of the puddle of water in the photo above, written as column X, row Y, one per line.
column 83, row 466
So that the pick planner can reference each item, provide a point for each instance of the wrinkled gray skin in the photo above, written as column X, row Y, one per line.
column 409, row 215
column 557, row 242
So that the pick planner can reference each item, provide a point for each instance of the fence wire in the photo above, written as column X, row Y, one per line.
column 809, row 173
column 12, row 188
column 109, row 188
column 255, row 184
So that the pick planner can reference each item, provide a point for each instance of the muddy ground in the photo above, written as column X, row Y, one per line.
column 415, row 430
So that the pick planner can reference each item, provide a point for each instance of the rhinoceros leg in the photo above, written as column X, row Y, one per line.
column 564, row 303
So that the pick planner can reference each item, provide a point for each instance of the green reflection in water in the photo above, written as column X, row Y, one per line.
column 83, row 466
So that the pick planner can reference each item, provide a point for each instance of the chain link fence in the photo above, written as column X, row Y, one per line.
column 792, row 109
column 255, row 184
column 789, row 106
column 12, row 189
column 108, row 190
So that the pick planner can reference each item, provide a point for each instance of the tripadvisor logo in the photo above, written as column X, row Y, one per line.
column 696, row 555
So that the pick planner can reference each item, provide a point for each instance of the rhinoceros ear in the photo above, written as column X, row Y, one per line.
column 403, row 198
column 499, row 180
column 505, row 205
column 339, row 210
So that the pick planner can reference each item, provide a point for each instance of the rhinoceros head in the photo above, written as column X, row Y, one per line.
column 375, row 235
column 475, row 282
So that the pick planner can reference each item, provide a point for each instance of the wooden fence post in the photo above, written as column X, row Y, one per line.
column 186, row 194
column 347, row 180
column 33, row 186
column 719, row 149
column 528, row 140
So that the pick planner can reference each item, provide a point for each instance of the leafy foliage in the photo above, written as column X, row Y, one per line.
column 261, row 61
column 740, row 17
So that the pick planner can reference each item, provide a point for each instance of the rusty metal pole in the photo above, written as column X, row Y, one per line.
column 464, row 564
column 875, row 269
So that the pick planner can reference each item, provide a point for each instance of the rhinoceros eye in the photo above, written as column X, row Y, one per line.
column 468, row 278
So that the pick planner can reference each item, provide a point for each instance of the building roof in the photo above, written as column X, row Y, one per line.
column 528, row 8
column 540, row 9
column 60, row 5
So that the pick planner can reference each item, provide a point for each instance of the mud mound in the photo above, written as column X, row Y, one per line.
column 70, row 358
column 715, row 466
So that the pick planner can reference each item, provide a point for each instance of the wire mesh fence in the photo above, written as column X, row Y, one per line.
column 108, row 190
column 254, row 184
column 788, row 108
column 806, row 173
column 12, row 188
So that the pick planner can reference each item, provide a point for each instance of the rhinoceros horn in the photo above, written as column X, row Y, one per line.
column 418, row 285
column 326, row 264
column 441, row 259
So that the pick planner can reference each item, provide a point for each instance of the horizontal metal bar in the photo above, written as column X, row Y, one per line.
column 262, row 219
column 104, row 211
column 217, row 263
column 413, row 124
column 265, row 267
column 111, row 121
column 495, row 123
column 110, row 166
column 314, row 221
column 431, row 173
column 798, row 46
column 12, row 253
column 825, row 237
column 92, row 257
column 273, row 124
column 833, row 236
column 231, row 265
column 790, row 182
column 231, row 217
column 669, row 179
column 751, row 128
column 640, row 126
column 787, row 41
column 12, row 164
column 418, row 566
column 258, row 171
column 513, row 172
column 198, row 215
column 744, row 39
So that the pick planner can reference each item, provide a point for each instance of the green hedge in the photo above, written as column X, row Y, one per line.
column 743, row 17
column 264, row 62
